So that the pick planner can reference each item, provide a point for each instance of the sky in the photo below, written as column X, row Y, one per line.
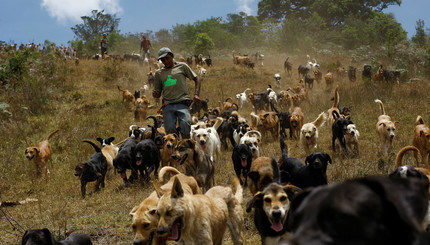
column 25, row 21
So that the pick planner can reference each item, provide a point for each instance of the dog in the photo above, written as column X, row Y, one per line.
column 144, row 216
column 252, row 139
column 371, row 210
column 334, row 107
column 240, row 131
column 242, row 160
column 284, row 122
column 309, row 81
column 288, row 66
column 169, row 143
column 151, row 77
column 147, row 157
column 264, row 170
column 197, row 107
column 303, row 70
column 309, row 134
column 196, row 163
column 126, row 160
column 228, row 104
column 109, row 151
column 318, row 76
column 200, row 219
column 422, row 140
column 271, row 210
column 242, row 98
column 127, row 96
column 385, row 128
column 45, row 237
column 339, row 129
column 351, row 139
column 273, row 97
column 93, row 169
column 352, row 73
column 260, row 101
column 141, row 109
column 267, row 122
column 296, row 121
column 277, row 80
column 329, row 79
column 201, row 72
column 208, row 139
column 41, row 154
column 311, row 173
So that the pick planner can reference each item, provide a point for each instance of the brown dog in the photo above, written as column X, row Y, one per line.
column 145, row 219
column 141, row 109
column 264, row 170
column 330, row 119
column 385, row 128
column 422, row 140
column 170, row 141
column 266, row 122
column 40, row 155
column 127, row 96
column 329, row 80
column 195, row 162
column 200, row 219
column 296, row 121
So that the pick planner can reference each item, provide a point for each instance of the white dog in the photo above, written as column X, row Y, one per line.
column 273, row 97
column 201, row 71
column 208, row 139
column 252, row 138
column 278, row 80
column 241, row 98
column 351, row 139
column 312, row 66
column 309, row 134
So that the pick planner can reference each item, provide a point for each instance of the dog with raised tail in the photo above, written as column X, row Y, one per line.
column 309, row 134
column 40, row 155
column 386, row 130
column 242, row 98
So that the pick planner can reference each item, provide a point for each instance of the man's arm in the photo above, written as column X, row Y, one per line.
column 197, row 84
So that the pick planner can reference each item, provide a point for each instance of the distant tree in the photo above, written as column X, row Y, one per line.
column 203, row 44
column 96, row 25
column 420, row 36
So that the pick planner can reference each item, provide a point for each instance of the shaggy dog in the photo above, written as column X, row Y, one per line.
column 208, row 139
column 309, row 134
column 385, row 128
column 422, row 140
column 41, row 155
column 296, row 121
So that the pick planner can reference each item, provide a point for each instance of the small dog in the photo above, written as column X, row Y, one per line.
column 196, row 163
column 252, row 139
column 296, row 120
column 271, row 210
column 284, row 122
column 145, row 219
column 169, row 143
column 151, row 77
column 240, row 131
column 273, row 97
column 385, row 128
column 329, row 79
column 264, row 170
column 242, row 98
column 242, row 160
column 309, row 134
column 201, row 72
column 141, row 109
column 127, row 96
column 45, row 237
column 351, row 139
column 422, row 140
column 267, row 122
column 41, row 154
column 309, row 81
column 93, row 169
column 277, row 80
column 339, row 129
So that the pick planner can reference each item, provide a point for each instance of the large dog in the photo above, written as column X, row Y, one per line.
column 41, row 154
column 309, row 134
column 45, row 237
column 296, row 121
column 242, row 160
column 264, row 170
column 126, row 160
column 422, row 140
column 145, row 218
column 200, row 219
column 385, row 128
column 267, row 122
column 208, row 139
column 196, row 163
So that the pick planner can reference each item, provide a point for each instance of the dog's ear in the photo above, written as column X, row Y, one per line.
column 382, row 124
column 328, row 158
column 309, row 158
column 209, row 130
column 291, row 191
column 160, row 192
column 49, row 239
column 254, row 175
column 100, row 140
column 396, row 122
column 177, row 190
column 256, row 201
column 37, row 149
column 133, row 211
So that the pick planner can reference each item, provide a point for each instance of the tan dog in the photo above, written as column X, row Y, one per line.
column 170, row 141
column 422, row 140
column 200, row 219
column 296, row 121
column 264, row 170
column 330, row 119
column 141, row 110
column 228, row 104
column 266, row 122
column 40, row 155
column 385, row 128
column 329, row 80
column 195, row 162
column 145, row 219
column 126, row 95
column 309, row 134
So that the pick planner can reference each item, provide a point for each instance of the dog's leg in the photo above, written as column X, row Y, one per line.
column 83, row 188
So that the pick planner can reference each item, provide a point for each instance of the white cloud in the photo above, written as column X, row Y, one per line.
column 244, row 6
column 72, row 10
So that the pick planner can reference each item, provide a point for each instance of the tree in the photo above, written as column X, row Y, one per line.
column 203, row 44
column 96, row 25
column 420, row 36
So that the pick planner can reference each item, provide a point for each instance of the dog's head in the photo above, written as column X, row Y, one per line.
column 389, row 127
column 252, row 139
column 275, row 200
column 264, row 170
column 351, row 131
column 81, row 169
column 308, row 131
column 171, row 211
column 201, row 136
column 136, row 94
column 185, row 150
column 284, row 118
column 425, row 135
column 39, row 236
column 31, row 152
column 241, row 129
column 408, row 171
column 105, row 142
column 135, row 131
column 145, row 220
column 318, row 161
column 170, row 142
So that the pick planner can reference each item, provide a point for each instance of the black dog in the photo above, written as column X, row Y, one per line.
column 242, row 160
column 309, row 81
column 338, row 131
column 197, row 107
column 366, row 74
column 261, row 101
column 225, row 130
column 301, row 175
column 208, row 61
column 126, row 160
column 45, row 237
column 303, row 70
column 284, row 122
column 351, row 73
column 288, row 66
column 136, row 94
column 372, row 210
column 147, row 157
column 93, row 169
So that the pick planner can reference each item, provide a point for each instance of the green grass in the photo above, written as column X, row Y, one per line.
column 87, row 104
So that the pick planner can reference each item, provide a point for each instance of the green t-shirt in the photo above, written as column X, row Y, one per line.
column 172, row 82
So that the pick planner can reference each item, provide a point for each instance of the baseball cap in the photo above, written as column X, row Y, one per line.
column 163, row 52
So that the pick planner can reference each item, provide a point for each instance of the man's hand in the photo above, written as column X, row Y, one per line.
column 156, row 94
column 196, row 99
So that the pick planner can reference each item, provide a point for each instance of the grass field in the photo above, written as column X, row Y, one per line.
column 88, row 105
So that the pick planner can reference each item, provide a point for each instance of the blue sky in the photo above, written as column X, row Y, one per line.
column 24, row 21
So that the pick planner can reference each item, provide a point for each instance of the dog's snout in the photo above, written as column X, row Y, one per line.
column 276, row 213
column 162, row 230
column 138, row 242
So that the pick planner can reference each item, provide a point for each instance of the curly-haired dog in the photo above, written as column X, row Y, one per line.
column 145, row 218
column 41, row 154
column 296, row 121
column 309, row 134
column 271, row 210
column 385, row 128
column 200, row 219
column 422, row 140
column 45, row 237
column 264, row 170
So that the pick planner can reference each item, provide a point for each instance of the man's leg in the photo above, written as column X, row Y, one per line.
column 169, row 119
column 184, row 116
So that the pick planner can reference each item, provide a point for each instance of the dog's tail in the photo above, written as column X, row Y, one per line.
column 218, row 122
column 155, row 121
column 51, row 134
column 284, row 148
column 246, row 90
column 336, row 97
column 94, row 145
column 320, row 120
column 335, row 114
column 419, row 120
column 239, row 190
column 228, row 99
column 381, row 105
column 402, row 152
column 120, row 89
column 276, row 173
column 167, row 170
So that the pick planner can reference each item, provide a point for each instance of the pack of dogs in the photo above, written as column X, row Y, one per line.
column 291, row 200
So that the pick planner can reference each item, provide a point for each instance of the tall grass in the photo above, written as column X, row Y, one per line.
column 84, row 103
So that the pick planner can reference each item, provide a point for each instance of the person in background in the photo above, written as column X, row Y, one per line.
column 103, row 44
column 145, row 45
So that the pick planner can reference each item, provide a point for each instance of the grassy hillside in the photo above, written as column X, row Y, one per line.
column 87, row 104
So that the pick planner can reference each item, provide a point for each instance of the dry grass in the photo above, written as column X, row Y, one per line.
column 89, row 105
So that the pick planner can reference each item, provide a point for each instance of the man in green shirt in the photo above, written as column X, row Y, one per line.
column 170, row 81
